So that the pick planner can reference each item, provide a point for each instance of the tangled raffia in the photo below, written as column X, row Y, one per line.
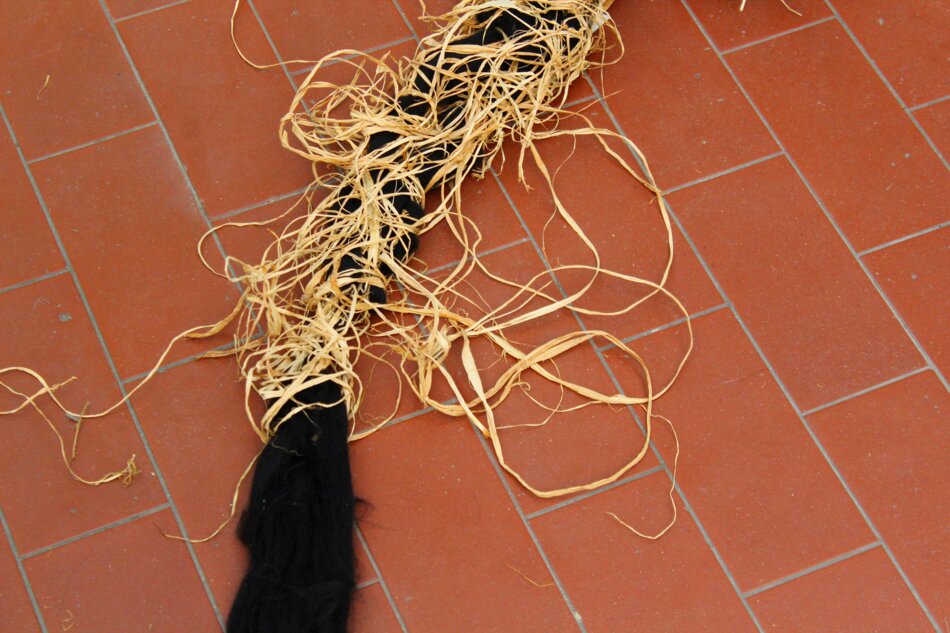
column 303, row 319
column 316, row 318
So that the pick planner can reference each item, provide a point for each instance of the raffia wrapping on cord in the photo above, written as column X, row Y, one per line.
column 318, row 321
column 314, row 314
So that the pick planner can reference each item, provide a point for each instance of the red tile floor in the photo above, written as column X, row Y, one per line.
column 805, row 160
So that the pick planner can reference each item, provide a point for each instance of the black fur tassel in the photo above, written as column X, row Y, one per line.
column 299, row 526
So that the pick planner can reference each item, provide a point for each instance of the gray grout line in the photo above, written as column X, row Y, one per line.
column 755, row 344
column 152, row 10
column 480, row 254
column 693, row 514
column 168, row 139
column 808, row 570
column 676, row 485
column 34, row 280
column 406, row 21
column 107, row 137
column 338, row 60
column 666, row 326
column 775, row 36
column 700, row 527
column 613, row 378
column 107, row 355
column 257, row 205
column 410, row 416
column 887, row 83
column 724, row 172
column 491, row 458
column 379, row 577
column 138, row 425
column 921, row 106
column 593, row 493
column 23, row 575
column 503, row 478
column 368, row 583
column 927, row 138
column 862, row 392
column 906, row 238
column 99, row 530
column 177, row 363
column 273, row 46
column 581, row 100
column 821, row 204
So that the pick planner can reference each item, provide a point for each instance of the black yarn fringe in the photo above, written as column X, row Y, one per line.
column 299, row 526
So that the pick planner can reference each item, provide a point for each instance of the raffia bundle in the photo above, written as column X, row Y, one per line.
column 445, row 115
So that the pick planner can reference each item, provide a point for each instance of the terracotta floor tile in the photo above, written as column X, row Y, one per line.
column 413, row 10
column 213, row 446
column 26, row 241
column 248, row 243
column 893, row 34
column 480, row 293
column 914, row 276
column 730, row 27
column 132, row 242
column 372, row 612
column 442, row 530
column 449, row 539
column 819, row 320
column 935, row 120
column 343, row 71
column 573, row 447
column 221, row 114
column 224, row 562
column 74, row 45
column 485, row 206
column 861, row 594
column 621, row 582
column 130, row 578
column 44, row 327
column 621, row 218
column 124, row 8
column 899, row 472
column 676, row 101
column 310, row 30
column 856, row 146
column 761, row 488
column 14, row 602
